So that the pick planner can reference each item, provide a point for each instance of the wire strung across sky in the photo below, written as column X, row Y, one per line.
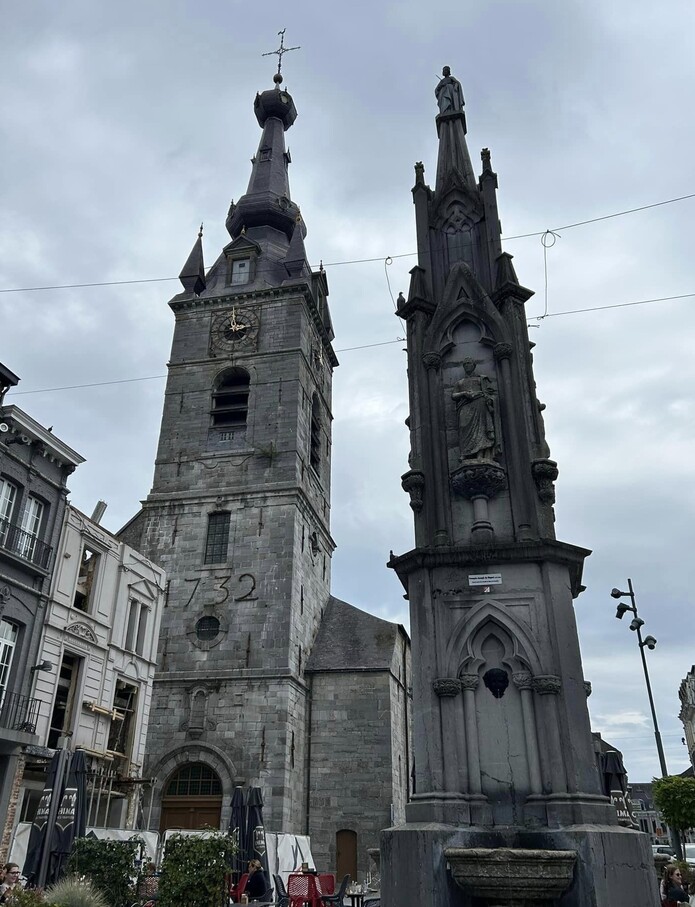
column 365, row 346
column 333, row 264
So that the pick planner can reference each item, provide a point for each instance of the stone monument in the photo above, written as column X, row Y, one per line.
column 508, row 808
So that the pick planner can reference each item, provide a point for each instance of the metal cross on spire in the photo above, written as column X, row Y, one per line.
column 281, row 50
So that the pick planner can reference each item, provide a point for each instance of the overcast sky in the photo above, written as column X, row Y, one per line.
column 125, row 125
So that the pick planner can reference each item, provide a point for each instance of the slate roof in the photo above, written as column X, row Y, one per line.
column 350, row 639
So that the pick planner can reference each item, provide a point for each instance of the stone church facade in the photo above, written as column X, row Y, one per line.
column 260, row 670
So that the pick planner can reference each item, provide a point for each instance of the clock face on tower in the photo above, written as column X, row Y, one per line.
column 234, row 329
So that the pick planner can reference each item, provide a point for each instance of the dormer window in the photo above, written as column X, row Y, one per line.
column 241, row 270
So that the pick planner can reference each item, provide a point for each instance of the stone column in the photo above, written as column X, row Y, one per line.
column 447, row 689
column 437, row 433
column 469, row 684
column 547, row 686
column 523, row 680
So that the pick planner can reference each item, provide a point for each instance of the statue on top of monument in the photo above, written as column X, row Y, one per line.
column 449, row 93
column 474, row 397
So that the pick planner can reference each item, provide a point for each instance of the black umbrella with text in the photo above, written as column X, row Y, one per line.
column 237, row 832
column 255, row 830
column 71, row 820
column 614, row 781
column 39, row 827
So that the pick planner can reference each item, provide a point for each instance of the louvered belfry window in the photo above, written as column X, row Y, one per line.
column 230, row 399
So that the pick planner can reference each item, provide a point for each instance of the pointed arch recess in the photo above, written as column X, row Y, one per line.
column 464, row 299
column 462, row 653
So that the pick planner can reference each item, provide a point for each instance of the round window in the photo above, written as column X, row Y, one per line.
column 207, row 628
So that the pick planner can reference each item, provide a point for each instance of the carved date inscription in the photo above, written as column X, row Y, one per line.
column 216, row 589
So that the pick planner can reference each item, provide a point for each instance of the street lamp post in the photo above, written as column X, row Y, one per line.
column 636, row 624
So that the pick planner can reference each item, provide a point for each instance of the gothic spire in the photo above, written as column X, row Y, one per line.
column 267, row 200
column 193, row 274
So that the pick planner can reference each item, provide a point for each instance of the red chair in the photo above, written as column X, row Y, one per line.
column 236, row 891
column 327, row 883
column 304, row 888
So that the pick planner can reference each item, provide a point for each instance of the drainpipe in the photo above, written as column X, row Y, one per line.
column 308, row 751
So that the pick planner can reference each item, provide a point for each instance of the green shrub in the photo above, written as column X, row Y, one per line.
column 27, row 897
column 109, row 865
column 73, row 891
column 194, row 871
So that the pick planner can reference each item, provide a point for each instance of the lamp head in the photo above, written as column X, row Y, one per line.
column 649, row 642
column 616, row 593
column 621, row 609
column 636, row 623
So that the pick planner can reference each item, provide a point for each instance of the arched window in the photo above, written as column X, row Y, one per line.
column 192, row 798
column 230, row 399
column 315, row 437
column 194, row 780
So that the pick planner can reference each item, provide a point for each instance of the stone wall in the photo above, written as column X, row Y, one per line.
column 352, row 762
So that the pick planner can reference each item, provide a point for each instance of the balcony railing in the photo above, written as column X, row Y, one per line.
column 25, row 545
column 19, row 713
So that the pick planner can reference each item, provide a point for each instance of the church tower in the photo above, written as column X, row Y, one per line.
column 501, row 735
column 239, row 510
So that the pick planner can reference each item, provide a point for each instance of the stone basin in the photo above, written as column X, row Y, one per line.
column 511, row 877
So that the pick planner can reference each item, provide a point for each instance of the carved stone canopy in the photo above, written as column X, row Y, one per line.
column 473, row 480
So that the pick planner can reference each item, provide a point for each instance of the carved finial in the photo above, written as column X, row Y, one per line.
column 485, row 157
column 419, row 173
column 200, row 232
column 321, row 267
column 277, row 78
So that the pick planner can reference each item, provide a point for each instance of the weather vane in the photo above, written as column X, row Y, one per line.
column 281, row 50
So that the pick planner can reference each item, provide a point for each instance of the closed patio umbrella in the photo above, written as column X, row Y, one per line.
column 614, row 779
column 255, row 830
column 237, row 832
column 71, row 820
column 39, row 827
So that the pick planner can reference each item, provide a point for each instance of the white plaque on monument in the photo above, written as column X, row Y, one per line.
column 485, row 579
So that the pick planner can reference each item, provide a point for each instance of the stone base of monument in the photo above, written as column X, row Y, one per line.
column 421, row 865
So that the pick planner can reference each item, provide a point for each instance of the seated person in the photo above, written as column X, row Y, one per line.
column 10, row 881
column 672, row 886
column 256, row 884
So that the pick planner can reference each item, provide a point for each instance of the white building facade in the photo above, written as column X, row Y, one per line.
column 98, row 652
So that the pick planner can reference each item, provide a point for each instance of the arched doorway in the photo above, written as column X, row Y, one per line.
column 192, row 798
column 346, row 853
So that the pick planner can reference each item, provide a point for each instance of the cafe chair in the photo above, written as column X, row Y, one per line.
column 338, row 898
column 237, row 890
column 283, row 899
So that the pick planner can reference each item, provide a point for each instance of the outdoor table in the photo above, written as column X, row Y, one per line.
column 304, row 888
column 356, row 899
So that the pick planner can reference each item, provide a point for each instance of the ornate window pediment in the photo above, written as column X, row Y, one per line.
column 84, row 631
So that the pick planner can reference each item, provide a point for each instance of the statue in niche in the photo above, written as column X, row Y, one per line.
column 449, row 93
column 474, row 397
